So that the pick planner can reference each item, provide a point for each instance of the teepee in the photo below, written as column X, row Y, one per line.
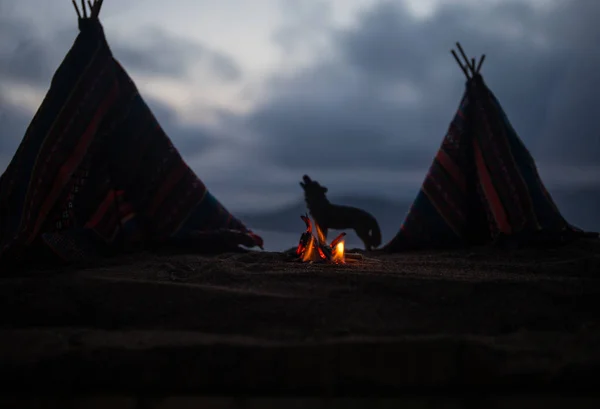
column 483, row 183
column 96, row 174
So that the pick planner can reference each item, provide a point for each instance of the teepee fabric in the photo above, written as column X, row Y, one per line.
column 483, row 183
column 95, row 172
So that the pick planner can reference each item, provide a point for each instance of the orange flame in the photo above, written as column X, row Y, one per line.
column 338, row 253
column 320, row 235
column 313, row 249
column 310, row 253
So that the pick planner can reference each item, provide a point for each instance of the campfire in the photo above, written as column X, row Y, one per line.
column 313, row 249
column 316, row 249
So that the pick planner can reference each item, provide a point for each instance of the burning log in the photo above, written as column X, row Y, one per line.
column 311, row 249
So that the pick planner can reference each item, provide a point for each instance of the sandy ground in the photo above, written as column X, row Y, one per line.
column 258, row 324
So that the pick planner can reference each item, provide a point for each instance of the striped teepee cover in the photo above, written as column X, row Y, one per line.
column 95, row 172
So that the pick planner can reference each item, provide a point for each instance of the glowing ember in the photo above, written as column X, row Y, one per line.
column 311, row 249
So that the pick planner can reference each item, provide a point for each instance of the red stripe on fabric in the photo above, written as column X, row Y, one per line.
column 51, row 141
column 490, row 192
column 54, row 251
column 448, row 164
column 101, row 210
column 127, row 217
column 183, row 207
column 125, row 209
column 172, row 179
column 440, row 211
column 66, row 170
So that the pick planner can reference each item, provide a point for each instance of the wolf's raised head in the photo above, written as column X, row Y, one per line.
column 314, row 195
column 312, row 188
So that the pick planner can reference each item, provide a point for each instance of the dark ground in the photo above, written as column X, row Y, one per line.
column 479, row 323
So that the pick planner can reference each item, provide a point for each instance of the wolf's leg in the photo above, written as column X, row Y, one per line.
column 363, row 234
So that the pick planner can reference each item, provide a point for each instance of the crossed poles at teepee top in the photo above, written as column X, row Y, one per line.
column 469, row 67
column 94, row 6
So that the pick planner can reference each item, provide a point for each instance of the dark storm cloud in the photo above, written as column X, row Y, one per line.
column 385, row 97
column 573, row 116
column 27, row 65
column 304, row 22
column 189, row 140
column 317, row 132
column 30, row 57
column 156, row 51
column 13, row 123
column 22, row 57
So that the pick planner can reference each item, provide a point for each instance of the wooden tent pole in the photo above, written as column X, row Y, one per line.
column 480, row 63
column 469, row 68
column 460, row 64
column 94, row 7
column 462, row 52
column 76, row 9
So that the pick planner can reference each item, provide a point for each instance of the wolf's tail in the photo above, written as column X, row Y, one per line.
column 375, row 233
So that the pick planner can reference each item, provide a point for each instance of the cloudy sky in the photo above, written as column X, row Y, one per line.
column 356, row 93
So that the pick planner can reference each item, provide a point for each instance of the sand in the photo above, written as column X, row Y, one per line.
column 486, row 320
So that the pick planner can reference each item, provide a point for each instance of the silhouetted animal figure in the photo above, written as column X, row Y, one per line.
column 330, row 216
